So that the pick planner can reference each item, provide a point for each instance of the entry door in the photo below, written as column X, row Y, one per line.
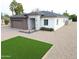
column 32, row 21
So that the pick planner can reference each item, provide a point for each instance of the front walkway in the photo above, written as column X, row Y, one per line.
column 64, row 40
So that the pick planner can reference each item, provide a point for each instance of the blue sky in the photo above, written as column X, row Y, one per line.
column 58, row 6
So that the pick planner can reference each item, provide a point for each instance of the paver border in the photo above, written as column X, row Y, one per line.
column 48, row 52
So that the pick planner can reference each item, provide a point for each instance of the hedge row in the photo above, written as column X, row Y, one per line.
column 46, row 29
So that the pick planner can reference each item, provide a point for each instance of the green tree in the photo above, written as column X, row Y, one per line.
column 19, row 9
column 73, row 17
column 1, row 15
column 2, row 20
column 13, row 5
column 6, row 15
column 66, row 14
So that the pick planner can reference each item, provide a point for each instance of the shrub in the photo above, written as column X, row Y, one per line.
column 6, row 19
column 46, row 29
column 73, row 17
column 6, row 22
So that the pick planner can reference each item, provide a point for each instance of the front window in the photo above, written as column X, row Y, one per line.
column 46, row 22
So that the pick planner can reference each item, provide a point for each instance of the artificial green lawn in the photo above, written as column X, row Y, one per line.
column 23, row 48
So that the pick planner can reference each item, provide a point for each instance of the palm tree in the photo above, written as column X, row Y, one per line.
column 13, row 5
column 19, row 9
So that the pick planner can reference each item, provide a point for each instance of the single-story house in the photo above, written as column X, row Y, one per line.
column 36, row 20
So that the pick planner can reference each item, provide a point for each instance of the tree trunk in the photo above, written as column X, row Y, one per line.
column 12, row 13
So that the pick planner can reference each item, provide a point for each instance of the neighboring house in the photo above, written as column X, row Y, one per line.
column 36, row 20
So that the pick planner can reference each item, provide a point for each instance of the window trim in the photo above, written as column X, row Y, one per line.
column 45, row 24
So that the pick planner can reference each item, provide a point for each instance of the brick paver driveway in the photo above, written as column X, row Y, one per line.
column 64, row 40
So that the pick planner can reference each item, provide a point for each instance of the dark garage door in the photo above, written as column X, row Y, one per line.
column 20, row 24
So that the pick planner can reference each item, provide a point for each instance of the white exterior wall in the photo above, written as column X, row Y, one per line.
column 61, row 22
column 37, row 21
column 52, row 22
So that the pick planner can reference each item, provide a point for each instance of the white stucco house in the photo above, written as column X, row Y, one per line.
column 36, row 20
